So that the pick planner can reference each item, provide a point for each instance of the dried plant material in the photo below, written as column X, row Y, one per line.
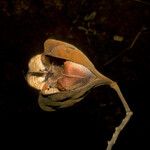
column 63, row 74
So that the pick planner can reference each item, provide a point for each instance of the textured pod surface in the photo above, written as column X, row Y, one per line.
column 35, row 65
column 67, row 51
column 35, row 82
column 62, row 74
column 37, row 75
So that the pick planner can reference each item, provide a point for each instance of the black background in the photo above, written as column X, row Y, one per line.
column 90, row 25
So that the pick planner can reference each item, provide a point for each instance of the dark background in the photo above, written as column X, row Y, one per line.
column 91, row 26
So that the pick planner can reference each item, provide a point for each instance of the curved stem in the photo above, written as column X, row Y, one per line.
column 129, row 113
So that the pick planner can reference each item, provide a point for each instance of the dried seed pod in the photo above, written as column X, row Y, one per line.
column 64, row 83
column 66, row 75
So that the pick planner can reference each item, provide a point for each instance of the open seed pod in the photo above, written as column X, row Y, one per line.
column 62, row 74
